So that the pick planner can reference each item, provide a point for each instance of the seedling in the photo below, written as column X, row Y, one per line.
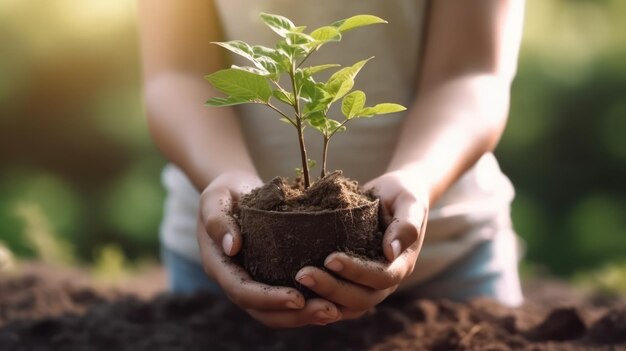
column 309, row 99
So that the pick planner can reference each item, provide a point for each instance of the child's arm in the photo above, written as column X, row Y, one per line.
column 458, row 115
column 208, row 145
column 177, row 54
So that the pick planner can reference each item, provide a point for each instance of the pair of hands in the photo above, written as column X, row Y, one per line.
column 361, row 284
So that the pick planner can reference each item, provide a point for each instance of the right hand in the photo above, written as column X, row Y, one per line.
column 219, row 239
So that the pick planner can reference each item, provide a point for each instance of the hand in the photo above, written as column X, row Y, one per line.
column 364, row 284
column 219, row 239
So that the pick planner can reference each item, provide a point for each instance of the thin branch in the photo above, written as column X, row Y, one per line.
column 281, row 113
column 299, row 127
column 337, row 129
column 296, row 96
column 305, row 57
column 277, row 85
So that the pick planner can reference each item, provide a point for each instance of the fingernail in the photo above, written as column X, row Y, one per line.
column 227, row 243
column 396, row 248
column 334, row 265
column 292, row 305
column 326, row 315
column 306, row 281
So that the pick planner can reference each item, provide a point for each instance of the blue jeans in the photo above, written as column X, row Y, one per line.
column 481, row 273
column 186, row 276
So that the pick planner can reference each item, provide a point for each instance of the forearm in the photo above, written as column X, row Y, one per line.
column 449, row 127
column 204, row 142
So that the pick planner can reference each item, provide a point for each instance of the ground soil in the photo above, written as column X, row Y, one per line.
column 39, row 313
column 286, row 227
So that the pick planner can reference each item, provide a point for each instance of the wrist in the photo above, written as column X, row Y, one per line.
column 235, row 180
column 205, row 176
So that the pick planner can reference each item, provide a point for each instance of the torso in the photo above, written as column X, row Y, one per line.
column 470, row 212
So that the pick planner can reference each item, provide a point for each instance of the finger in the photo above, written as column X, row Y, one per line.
column 372, row 274
column 407, row 227
column 347, row 314
column 216, row 208
column 340, row 292
column 240, row 288
column 316, row 311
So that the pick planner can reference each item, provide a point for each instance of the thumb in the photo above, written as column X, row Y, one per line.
column 215, row 210
column 406, row 228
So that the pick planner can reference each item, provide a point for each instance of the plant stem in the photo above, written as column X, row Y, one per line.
column 305, row 164
column 300, row 127
column 325, row 155
column 327, row 137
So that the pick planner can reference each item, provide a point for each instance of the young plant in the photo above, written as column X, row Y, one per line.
column 309, row 99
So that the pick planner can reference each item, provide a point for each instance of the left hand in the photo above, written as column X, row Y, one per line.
column 364, row 284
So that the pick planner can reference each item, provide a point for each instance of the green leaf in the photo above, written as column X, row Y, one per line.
column 327, row 33
column 257, row 71
column 267, row 61
column 344, row 88
column 283, row 119
column 324, row 35
column 283, row 96
column 353, row 103
column 305, row 83
column 317, row 121
column 318, row 99
column 342, row 81
column 269, row 65
column 381, row 109
column 356, row 22
column 278, row 56
column 348, row 72
column 238, row 47
column 279, row 24
column 307, row 89
column 311, row 163
column 317, row 69
column 227, row 101
column 295, row 38
column 334, row 126
column 241, row 84
column 292, row 52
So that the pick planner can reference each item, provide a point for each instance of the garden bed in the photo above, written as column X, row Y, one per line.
column 39, row 313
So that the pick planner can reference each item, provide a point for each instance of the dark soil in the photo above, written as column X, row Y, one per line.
column 332, row 192
column 36, row 314
column 286, row 227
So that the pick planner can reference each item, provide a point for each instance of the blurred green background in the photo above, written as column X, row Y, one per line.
column 79, row 174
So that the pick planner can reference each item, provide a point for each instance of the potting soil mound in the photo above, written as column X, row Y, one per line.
column 39, row 315
column 286, row 227
column 332, row 192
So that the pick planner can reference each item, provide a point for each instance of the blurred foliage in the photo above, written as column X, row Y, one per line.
column 110, row 264
column 73, row 139
column 48, row 247
column 609, row 280
column 77, row 161
column 565, row 144
column 7, row 261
